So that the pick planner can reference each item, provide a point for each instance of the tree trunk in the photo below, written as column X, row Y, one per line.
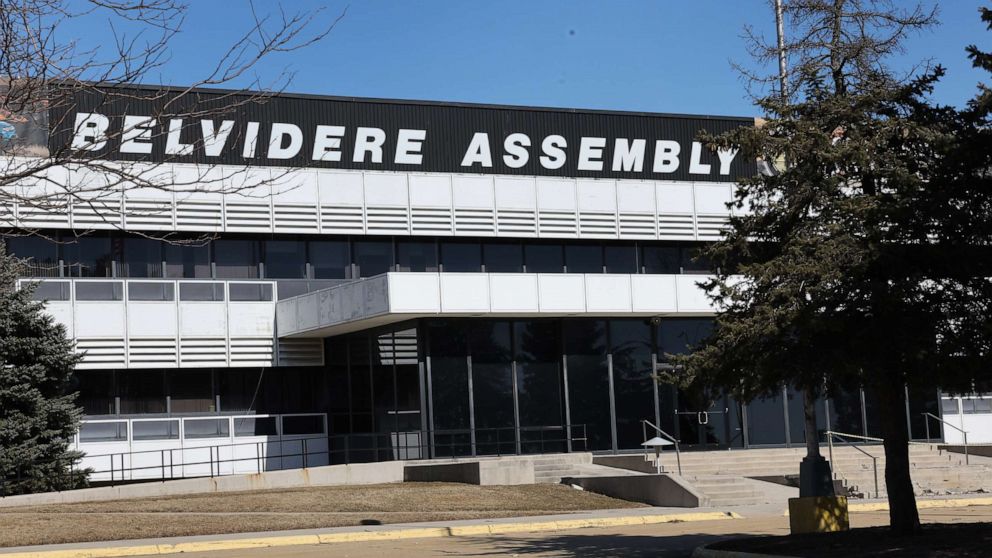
column 903, row 516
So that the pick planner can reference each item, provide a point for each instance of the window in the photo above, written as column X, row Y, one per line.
column 39, row 255
column 631, row 346
column 141, row 391
column 96, row 391
column 285, row 259
column 693, row 262
column 492, row 386
column 206, row 428
column 51, row 290
column 155, row 430
column 188, row 261
column 140, row 290
column 302, row 424
column 99, row 290
column 588, row 379
column 621, row 259
column 503, row 257
column 236, row 259
column 191, row 391
column 89, row 256
column 255, row 426
column 373, row 257
column 413, row 255
column 584, row 258
column 250, row 292
column 544, row 258
column 210, row 292
column 461, row 257
column 237, row 388
column 143, row 257
column 537, row 350
column 330, row 259
column 103, row 432
column 661, row 259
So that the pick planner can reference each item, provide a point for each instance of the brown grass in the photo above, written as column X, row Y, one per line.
column 271, row 510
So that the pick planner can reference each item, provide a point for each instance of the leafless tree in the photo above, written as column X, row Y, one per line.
column 44, row 75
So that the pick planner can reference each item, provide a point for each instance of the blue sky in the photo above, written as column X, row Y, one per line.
column 660, row 56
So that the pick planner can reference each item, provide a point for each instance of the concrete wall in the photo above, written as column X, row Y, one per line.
column 656, row 490
column 634, row 462
column 361, row 473
column 485, row 473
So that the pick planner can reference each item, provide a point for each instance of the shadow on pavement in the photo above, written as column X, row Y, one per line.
column 595, row 546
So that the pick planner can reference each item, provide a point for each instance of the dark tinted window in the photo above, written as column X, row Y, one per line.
column 155, row 429
column 212, row 292
column 373, row 257
column 503, row 257
column 96, row 391
column 139, row 290
column 694, row 262
column 39, row 255
column 299, row 425
column 621, row 259
column 537, row 350
column 99, row 290
column 141, row 391
column 236, row 259
column 661, row 259
column 103, row 432
column 207, row 428
column 255, row 426
column 461, row 257
column 330, row 259
column 588, row 379
column 188, row 261
column 191, row 391
column 412, row 255
column 250, row 292
column 584, row 258
column 142, row 257
column 544, row 258
column 89, row 256
column 285, row 259
column 51, row 290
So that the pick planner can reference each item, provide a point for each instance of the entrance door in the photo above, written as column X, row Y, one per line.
column 708, row 421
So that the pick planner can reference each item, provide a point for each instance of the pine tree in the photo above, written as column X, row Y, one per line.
column 38, row 412
column 864, row 260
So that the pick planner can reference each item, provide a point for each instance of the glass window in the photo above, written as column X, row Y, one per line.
column 302, row 424
column 373, row 257
column 89, row 256
column 503, row 257
column 38, row 255
column 621, row 259
column 661, row 259
column 544, row 258
column 540, row 396
column 96, row 391
column 191, row 391
column 359, row 359
column 51, row 290
column 143, row 257
column 330, row 259
column 285, row 259
column 414, row 255
column 584, row 258
column 139, row 290
column 693, row 262
column 492, row 386
column 461, row 257
column 588, row 379
column 449, row 386
column 236, row 259
column 189, row 261
column 237, row 388
column 631, row 346
column 949, row 406
column 141, row 391
column 845, row 411
column 212, row 292
column 766, row 420
column 99, row 290
column 206, row 428
column 255, row 426
column 103, row 432
column 155, row 430
column 250, row 292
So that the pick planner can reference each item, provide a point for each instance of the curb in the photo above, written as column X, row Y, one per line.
column 363, row 536
column 920, row 504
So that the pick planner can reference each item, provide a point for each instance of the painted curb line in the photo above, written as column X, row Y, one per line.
column 378, row 535
column 920, row 504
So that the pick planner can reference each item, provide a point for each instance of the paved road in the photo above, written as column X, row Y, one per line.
column 667, row 540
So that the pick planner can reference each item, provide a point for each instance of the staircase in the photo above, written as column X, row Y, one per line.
column 727, row 490
column 551, row 468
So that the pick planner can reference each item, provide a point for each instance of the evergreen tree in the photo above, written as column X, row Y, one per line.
column 38, row 412
column 863, row 261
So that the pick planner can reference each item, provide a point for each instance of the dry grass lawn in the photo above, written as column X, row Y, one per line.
column 270, row 510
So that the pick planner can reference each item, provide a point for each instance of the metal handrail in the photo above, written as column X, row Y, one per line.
column 673, row 439
column 926, row 420
column 842, row 436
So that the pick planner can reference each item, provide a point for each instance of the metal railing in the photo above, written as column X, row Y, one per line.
column 320, row 450
column 678, row 455
column 926, row 420
column 842, row 436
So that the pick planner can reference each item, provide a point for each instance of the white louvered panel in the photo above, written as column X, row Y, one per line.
column 341, row 219
column 97, row 214
column 251, row 351
column 150, row 353
column 558, row 223
column 296, row 218
column 203, row 351
column 40, row 217
column 386, row 220
column 595, row 223
column 431, row 220
column 517, row 221
column 301, row 352
column 676, row 227
column 148, row 214
column 637, row 225
column 711, row 227
column 400, row 348
column 474, row 221
column 8, row 215
column 247, row 216
column 103, row 352
column 199, row 215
